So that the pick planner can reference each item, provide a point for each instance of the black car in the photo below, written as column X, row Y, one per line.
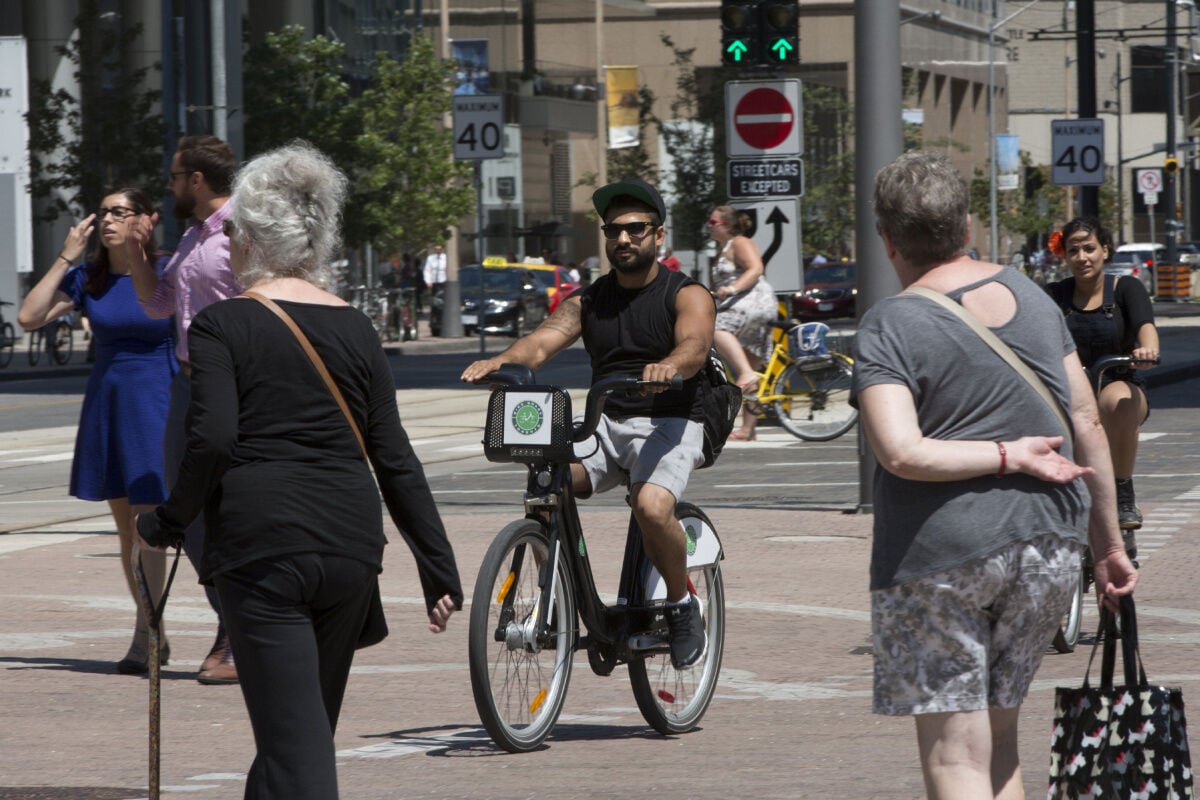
column 514, row 302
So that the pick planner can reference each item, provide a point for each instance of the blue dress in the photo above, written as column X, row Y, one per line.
column 119, row 447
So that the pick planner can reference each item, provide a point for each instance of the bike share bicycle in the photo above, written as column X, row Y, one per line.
column 536, row 583
column 1072, row 625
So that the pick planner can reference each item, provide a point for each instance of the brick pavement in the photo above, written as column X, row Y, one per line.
column 791, row 717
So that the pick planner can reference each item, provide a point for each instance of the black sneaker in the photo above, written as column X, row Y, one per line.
column 688, row 639
column 1129, row 516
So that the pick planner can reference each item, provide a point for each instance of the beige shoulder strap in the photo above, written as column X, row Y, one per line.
column 1004, row 351
column 317, row 362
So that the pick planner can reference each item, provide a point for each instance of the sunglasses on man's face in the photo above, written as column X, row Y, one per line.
column 636, row 230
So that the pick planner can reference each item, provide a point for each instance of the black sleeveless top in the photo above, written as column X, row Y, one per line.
column 626, row 329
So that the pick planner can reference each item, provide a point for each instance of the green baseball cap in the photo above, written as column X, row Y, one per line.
column 602, row 198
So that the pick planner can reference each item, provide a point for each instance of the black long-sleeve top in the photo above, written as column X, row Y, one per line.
column 272, row 461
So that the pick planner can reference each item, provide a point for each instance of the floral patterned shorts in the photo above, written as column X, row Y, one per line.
column 971, row 638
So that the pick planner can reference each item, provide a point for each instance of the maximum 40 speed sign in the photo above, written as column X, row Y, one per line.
column 1077, row 152
column 478, row 126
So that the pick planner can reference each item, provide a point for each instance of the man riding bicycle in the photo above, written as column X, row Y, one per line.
column 639, row 318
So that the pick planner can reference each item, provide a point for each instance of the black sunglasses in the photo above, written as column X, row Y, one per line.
column 636, row 230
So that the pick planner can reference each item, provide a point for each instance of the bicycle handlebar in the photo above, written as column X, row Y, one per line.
column 1106, row 363
column 510, row 373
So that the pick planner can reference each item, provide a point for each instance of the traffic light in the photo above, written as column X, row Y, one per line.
column 739, row 32
column 1171, row 165
column 779, row 38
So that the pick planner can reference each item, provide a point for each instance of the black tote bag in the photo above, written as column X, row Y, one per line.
column 1127, row 741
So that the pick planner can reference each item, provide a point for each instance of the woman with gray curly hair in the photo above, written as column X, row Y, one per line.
column 296, row 569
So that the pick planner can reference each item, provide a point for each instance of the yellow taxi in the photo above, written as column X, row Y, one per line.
column 553, row 278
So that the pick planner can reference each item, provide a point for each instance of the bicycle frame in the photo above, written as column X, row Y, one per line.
column 609, row 628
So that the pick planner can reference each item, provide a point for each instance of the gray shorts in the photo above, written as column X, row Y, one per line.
column 658, row 450
column 971, row 638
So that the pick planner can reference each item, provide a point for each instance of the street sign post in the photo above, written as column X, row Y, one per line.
column 1149, row 181
column 765, row 177
column 763, row 118
column 1077, row 152
column 478, row 127
column 775, row 231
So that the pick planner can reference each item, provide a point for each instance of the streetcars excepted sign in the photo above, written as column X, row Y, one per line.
column 765, row 177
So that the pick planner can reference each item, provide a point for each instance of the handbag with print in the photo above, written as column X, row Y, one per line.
column 1127, row 741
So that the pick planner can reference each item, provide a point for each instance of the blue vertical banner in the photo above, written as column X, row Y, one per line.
column 470, row 66
column 1008, row 162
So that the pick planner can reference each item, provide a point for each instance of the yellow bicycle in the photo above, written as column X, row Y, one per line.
column 805, row 384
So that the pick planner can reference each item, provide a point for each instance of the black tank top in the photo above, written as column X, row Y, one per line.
column 626, row 329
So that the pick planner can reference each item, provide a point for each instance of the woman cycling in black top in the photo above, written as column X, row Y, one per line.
column 1109, row 316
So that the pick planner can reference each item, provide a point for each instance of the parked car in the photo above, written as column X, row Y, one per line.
column 513, row 301
column 553, row 278
column 1138, row 260
column 829, row 291
column 1189, row 253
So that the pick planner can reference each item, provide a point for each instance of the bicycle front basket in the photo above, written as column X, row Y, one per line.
column 528, row 425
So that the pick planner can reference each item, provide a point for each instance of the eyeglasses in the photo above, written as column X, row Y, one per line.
column 228, row 228
column 715, row 221
column 171, row 176
column 119, row 213
column 636, row 230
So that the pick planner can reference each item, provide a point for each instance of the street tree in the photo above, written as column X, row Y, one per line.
column 828, row 204
column 407, row 188
column 109, row 134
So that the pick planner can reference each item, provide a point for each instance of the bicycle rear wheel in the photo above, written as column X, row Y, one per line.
column 814, row 398
column 8, row 340
column 673, row 700
column 63, row 344
column 519, row 686
column 37, row 340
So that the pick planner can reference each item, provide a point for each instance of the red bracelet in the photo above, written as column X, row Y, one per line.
column 1003, row 459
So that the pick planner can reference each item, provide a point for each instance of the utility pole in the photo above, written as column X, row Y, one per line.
column 1169, row 176
column 1085, row 51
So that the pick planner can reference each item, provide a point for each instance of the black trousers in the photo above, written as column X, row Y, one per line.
column 293, row 622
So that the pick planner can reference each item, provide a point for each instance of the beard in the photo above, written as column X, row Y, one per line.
column 184, row 206
column 632, row 259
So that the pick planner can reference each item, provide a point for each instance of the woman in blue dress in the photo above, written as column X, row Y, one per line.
column 119, row 447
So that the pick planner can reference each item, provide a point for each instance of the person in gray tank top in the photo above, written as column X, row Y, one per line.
column 983, row 503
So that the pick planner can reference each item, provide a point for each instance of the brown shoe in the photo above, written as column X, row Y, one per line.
column 219, row 668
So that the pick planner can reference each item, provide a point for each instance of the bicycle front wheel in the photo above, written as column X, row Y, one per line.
column 673, row 700
column 813, row 398
column 520, row 683
column 8, row 340
column 1068, row 632
column 63, row 344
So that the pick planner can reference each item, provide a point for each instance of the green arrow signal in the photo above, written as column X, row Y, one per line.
column 783, row 47
column 738, row 48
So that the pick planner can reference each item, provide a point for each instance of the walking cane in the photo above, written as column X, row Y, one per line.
column 153, row 621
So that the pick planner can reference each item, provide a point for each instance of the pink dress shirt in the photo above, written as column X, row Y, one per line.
column 197, row 276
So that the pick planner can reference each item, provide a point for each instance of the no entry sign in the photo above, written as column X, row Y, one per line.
column 763, row 118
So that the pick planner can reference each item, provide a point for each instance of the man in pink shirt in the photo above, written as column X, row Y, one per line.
column 198, row 275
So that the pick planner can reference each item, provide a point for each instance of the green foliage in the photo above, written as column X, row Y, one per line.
column 295, row 91
column 409, row 189
column 1026, row 214
column 110, row 135
column 406, row 188
column 828, row 204
column 688, row 137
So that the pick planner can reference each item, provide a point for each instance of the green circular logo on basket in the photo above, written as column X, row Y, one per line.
column 527, row 417
column 689, row 533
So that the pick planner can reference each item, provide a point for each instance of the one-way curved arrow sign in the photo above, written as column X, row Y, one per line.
column 776, row 219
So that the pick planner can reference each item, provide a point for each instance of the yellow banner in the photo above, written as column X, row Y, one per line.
column 621, row 90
